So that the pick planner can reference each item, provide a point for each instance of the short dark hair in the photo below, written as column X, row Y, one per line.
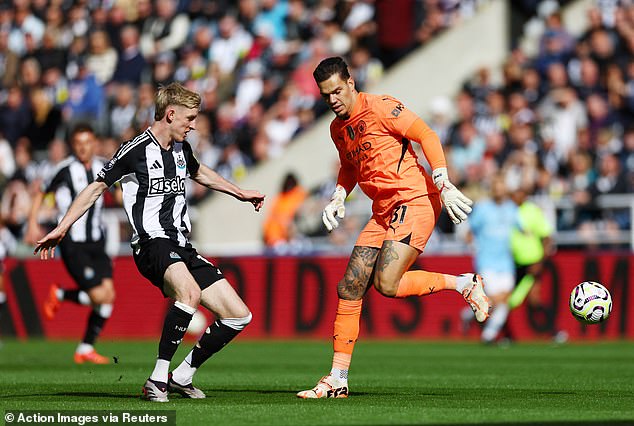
column 81, row 128
column 329, row 67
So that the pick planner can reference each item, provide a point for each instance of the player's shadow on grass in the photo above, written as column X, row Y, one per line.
column 94, row 395
column 268, row 392
column 70, row 394
column 557, row 393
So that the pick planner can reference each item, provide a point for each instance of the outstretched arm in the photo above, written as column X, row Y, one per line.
column 33, row 229
column 420, row 132
column 457, row 204
column 80, row 205
column 212, row 180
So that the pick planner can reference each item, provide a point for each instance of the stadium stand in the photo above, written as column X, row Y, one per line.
column 558, row 117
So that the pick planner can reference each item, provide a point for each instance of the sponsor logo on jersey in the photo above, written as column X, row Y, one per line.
column 361, row 127
column 110, row 164
column 357, row 154
column 165, row 186
column 396, row 111
column 174, row 255
column 106, row 168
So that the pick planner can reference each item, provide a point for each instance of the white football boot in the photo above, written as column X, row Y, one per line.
column 476, row 298
column 327, row 387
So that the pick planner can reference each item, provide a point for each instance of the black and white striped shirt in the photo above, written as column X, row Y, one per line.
column 153, row 182
column 69, row 180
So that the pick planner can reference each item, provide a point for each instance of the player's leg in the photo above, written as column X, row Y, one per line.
column 180, row 285
column 79, row 266
column 524, row 283
column 100, row 290
column 351, row 290
column 406, row 237
column 162, row 262
column 498, row 317
column 102, row 299
column 3, row 295
column 499, row 290
column 535, row 270
column 232, row 316
column 393, row 279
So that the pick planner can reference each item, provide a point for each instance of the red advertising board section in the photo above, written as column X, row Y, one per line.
column 296, row 297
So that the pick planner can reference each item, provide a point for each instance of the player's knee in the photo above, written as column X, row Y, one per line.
column 385, row 286
column 349, row 292
column 104, row 310
column 186, row 293
column 238, row 323
column 191, row 297
column 102, row 295
column 109, row 295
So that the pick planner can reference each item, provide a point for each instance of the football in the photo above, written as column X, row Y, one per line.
column 198, row 324
column 590, row 302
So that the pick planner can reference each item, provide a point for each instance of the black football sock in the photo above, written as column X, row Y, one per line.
column 93, row 328
column 174, row 328
column 215, row 338
column 3, row 303
column 211, row 342
column 79, row 297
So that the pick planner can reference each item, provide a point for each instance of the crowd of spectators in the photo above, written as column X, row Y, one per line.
column 63, row 62
column 558, row 124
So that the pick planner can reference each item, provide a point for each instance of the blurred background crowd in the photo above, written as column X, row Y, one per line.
column 557, row 121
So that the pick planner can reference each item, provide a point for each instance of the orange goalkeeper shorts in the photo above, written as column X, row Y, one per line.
column 410, row 223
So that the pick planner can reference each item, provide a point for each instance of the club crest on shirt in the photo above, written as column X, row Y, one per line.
column 180, row 161
column 361, row 127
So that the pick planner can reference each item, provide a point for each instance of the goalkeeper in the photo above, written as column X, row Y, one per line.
column 372, row 135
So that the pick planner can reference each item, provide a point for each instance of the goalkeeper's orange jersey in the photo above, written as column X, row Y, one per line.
column 375, row 153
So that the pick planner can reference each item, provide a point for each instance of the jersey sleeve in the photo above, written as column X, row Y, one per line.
column 61, row 178
column 420, row 132
column 121, row 164
column 192, row 163
column 393, row 116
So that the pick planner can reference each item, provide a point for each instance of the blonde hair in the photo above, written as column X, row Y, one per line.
column 174, row 94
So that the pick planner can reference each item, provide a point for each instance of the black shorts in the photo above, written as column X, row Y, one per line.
column 155, row 256
column 87, row 263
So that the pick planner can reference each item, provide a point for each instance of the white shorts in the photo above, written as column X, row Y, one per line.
column 498, row 282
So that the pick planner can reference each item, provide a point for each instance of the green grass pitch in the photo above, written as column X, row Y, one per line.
column 392, row 382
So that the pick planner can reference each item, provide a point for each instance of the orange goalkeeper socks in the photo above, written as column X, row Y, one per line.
column 346, row 330
column 422, row 283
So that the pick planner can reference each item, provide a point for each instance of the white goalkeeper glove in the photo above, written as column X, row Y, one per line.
column 335, row 208
column 457, row 204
